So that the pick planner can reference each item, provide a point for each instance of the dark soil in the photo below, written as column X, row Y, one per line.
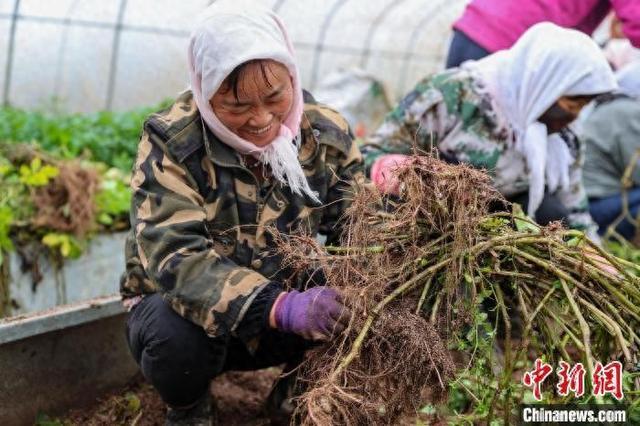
column 239, row 396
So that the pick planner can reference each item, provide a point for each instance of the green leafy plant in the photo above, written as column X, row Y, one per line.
column 6, row 245
column 36, row 173
column 105, row 141
column 114, row 198
column 24, row 175
column 107, row 137
column 44, row 420
column 68, row 246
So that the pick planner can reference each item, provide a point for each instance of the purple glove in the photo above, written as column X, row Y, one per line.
column 315, row 314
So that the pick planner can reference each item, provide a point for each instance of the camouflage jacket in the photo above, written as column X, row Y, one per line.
column 200, row 219
column 445, row 111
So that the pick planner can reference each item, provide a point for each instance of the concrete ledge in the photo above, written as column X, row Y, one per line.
column 61, row 359
column 95, row 274
column 24, row 326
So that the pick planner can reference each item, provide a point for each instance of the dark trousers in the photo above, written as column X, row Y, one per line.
column 180, row 360
column 607, row 209
column 551, row 208
column 462, row 49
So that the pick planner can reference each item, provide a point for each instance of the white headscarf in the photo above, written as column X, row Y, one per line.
column 230, row 34
column 546, row 63
column 620, row 52
column 629, row 78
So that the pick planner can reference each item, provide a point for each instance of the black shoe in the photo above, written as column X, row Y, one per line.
column 280, row 406
column 203, row 413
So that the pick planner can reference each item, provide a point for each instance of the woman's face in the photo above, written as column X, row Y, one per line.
column 563, row 112
column 260, row 101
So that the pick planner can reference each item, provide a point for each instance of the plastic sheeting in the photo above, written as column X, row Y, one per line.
column 361, row 99
column 88, row 55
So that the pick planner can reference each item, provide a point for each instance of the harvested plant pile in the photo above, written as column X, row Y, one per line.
column 436, row 278
column 62, row 192
column 54, row 204
column 67, row 204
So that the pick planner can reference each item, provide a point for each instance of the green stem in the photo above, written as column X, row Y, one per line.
column 423, row 296
column 561, row 274
column 508, row 366
column 531, row 317
column 584, row 327
column 351, row 250
column 616, row 330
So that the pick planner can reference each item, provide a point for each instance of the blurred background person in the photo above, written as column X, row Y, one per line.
column 487, row 26
column 611, row 134
column 507, row 114
column 618, row 48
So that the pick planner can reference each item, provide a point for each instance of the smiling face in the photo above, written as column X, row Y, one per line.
column 254, row 100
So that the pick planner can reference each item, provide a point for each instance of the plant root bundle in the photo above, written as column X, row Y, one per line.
column 67, row 204
column 416, row 272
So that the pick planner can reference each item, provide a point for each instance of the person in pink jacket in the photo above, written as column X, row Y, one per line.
column 487, row 26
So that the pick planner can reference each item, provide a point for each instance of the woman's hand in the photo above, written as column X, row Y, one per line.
column 315, row 314
column 383, row 173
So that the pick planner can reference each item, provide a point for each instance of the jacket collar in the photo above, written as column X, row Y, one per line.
column 219, row 153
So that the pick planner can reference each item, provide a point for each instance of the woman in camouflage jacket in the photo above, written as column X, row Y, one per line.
column 506, row 113
column 240, row 154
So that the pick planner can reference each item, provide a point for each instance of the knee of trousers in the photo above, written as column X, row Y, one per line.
column 177, row 357
column 180, row 377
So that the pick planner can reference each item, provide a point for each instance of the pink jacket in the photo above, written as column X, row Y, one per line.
column 497, row 24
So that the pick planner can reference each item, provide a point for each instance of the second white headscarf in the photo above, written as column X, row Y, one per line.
column 629, row 79
column 546, row 63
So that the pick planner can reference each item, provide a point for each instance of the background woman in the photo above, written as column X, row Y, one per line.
column 506, row 113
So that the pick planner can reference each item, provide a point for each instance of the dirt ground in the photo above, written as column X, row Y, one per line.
column 239, row 395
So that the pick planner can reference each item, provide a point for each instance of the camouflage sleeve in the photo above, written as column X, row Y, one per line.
column 420, row 120
column 176, row 250
column 346, row 175
column 134, row 281
column 575, row 198
column 344, row 171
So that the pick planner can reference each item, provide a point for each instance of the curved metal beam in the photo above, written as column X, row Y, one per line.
column 114, row 54
column 321, row 38
column 413, row 39
column 276, row 7
column 62, row 49
column 366, row 51
column 10, row 49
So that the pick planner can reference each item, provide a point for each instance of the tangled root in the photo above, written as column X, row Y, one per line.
column 66, row 204
column 402, row 358
column 411, row 272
